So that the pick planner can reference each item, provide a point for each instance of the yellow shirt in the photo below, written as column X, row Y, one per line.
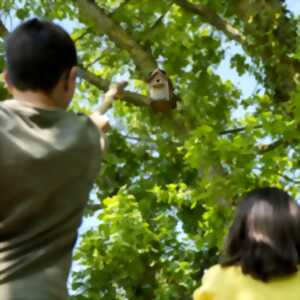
column 230, row 283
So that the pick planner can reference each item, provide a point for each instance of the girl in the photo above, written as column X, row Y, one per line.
column 261, row 254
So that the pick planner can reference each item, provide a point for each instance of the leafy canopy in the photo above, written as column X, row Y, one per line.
column 166, row 191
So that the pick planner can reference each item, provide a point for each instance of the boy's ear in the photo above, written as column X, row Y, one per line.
column 71, row 79
column 7, row 81
column 73, row 73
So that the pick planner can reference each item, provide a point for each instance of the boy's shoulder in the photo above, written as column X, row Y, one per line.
column 16, row 106
column 14, row 111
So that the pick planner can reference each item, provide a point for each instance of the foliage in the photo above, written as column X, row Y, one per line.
column 168, row 187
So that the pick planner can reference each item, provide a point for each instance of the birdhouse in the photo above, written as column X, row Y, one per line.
column 161, row 91
column 159, row 88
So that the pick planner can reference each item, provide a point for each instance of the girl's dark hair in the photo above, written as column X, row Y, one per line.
column 38, row 54
column 265, row 236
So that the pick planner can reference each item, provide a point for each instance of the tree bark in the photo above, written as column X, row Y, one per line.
column 212, row 18
column 95, row 16
column 102, row 84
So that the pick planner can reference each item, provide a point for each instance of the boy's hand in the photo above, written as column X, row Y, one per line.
column 100, row 121
column 116, row 90
column 103, row 126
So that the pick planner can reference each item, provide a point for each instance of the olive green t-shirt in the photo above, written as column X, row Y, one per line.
column 49, row 160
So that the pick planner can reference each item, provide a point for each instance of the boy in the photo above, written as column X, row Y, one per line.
column 49, row 159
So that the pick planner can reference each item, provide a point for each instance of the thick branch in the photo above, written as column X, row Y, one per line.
column 93, row 79
column 102, row 23
column 130, row 97
column 136, row 99
column 212, row 18
column 277, row 37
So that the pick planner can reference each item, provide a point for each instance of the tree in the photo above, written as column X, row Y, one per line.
column 168, row 187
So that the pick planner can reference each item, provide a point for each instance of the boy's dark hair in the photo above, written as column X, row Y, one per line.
column 38, row 53
column 265, row 236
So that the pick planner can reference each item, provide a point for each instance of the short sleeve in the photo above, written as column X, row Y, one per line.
column 91, row 131
column 90, row 125
column 89, row 138
column 209, row 284
column 201, row 294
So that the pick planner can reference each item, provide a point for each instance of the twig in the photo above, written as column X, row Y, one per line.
column 269, row 147
column 93, row 62
column 122, row 5
column 156, row 23
column 290, row 179
column 82, row 35
column 235, row 130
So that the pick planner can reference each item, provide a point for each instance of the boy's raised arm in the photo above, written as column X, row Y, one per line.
column 102, row 121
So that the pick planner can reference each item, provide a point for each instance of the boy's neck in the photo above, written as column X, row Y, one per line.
column 37, row 99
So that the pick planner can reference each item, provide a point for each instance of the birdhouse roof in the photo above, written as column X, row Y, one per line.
column 157, row 72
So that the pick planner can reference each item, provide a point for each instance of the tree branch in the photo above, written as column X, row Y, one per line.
column 288, row 178
column 95, row 16
column 236, row 130
column 262, row 148
column 102, row 84
column 93, row 79
column 87, row 31
column 277, row 37
column 3, row 30
column 269, row 147
column 93, row 207
column 211, row 17
column 147, row 36
column 120, row 7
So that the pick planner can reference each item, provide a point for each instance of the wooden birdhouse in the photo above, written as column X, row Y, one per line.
column 160, row 91
column 159, row 86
